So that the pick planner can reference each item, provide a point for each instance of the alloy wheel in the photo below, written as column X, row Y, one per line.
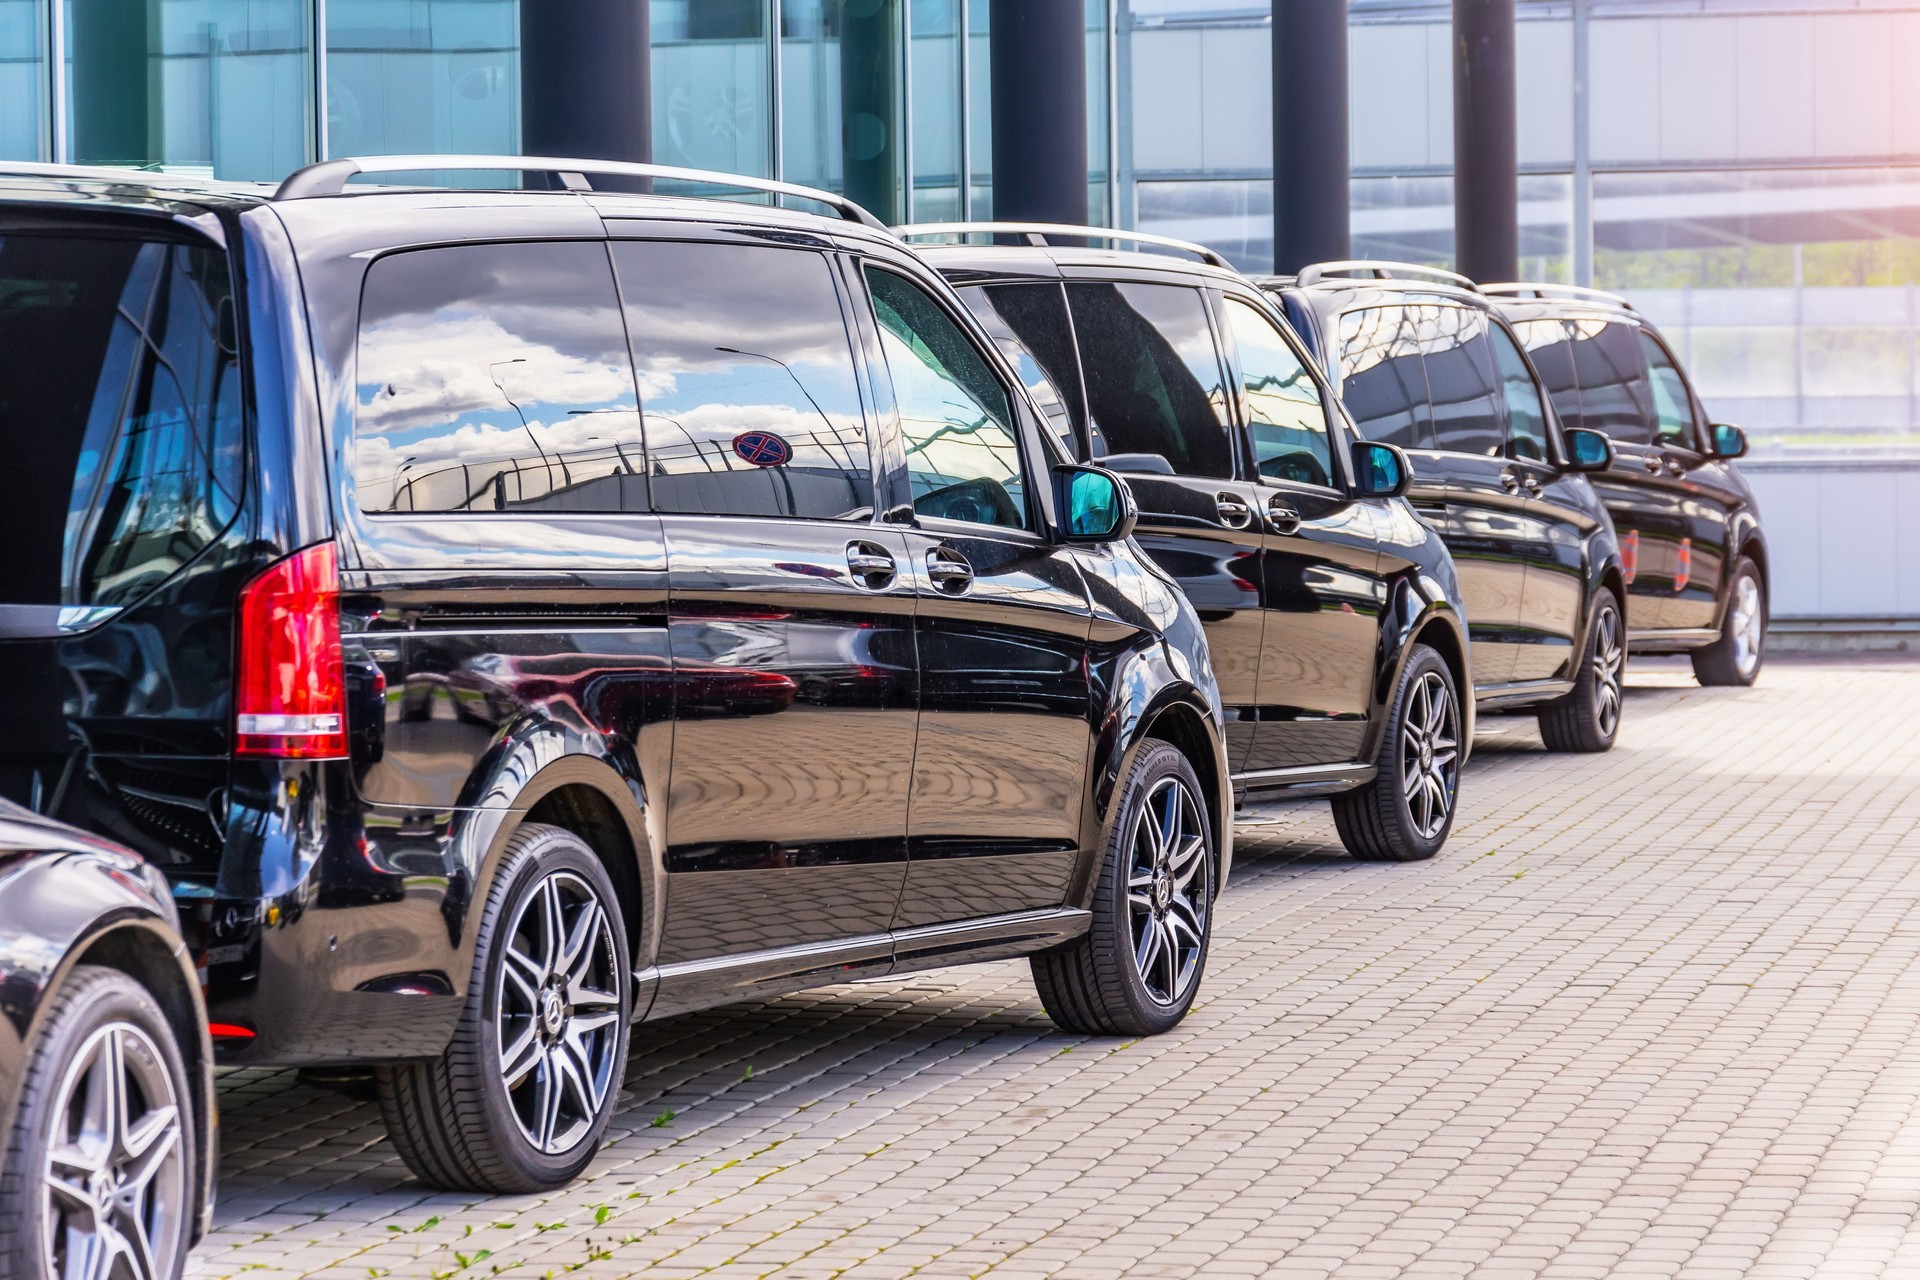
column 1609, row 661
column 1169, row 891
column 559, row 1013
column 115, row 1177
column 1429, row 753
column 1747, row 625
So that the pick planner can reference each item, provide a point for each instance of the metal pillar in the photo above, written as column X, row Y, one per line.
column 1039, row 76
column 585, row 82
column 1312, row 154
column 1486, row 166
column 1582, row 146
column 870, row 142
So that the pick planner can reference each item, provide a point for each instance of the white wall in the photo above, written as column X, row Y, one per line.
column 1844, row 538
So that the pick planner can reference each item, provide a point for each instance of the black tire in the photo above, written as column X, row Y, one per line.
column 1096, row 986
column 1406, row 813
column 1737, row 656
column 1588, row 719
column 101, row 1025
column 457, row 1120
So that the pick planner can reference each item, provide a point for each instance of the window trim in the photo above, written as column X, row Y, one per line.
column 1696, row 411
column 1340, row 466
column 1039, row 519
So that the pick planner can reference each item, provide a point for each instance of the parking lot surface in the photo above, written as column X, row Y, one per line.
column 1654, row 1013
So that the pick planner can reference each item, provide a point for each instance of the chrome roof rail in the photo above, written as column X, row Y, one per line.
column 1530, row 289
column 1037, row 233
column 1352, row 269
column 330, row 177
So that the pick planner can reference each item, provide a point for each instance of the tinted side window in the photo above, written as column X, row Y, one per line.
column 1028, row 322
column 747, row 377
column 1467, row 413
column 1526, row 415
column 963, row 459
column 1672, row 406
column 1285, row 416
column 120, row 404
column 496, row 378
column 1550, row 346
column 1153, row 375
column 1614, row 394
column 1385, row 386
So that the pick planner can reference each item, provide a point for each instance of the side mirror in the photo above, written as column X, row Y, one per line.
column 1380, row 470
column 1588, row 450
column 1727, row 441
column 1094, row 504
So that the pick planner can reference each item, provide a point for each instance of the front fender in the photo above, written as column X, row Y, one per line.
column 1421, row 607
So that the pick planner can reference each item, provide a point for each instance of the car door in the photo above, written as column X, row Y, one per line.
column 1705, row 494
column 790, row 614
column 1320, row 586
column 1562, row 512
column 998, row 774
column 1644, row 489
column 1157, row 412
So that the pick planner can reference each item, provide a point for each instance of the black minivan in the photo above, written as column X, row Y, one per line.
column 1331, row 610
column 1422, row 360
column 1690, row 539
column 505, row 614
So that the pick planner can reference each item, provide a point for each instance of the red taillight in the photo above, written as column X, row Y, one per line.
column 290, row 687
column 229, row 1031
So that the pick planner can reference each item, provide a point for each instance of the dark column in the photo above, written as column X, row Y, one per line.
column 1486, row 157
column 1039, row 76
column 1311, row 150
column 113, row 82
column 585, row 86
column 869, row 136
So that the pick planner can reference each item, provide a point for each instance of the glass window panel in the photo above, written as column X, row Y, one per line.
column 1526, row 413
column 1029, row 323
column 120, row 393
column 425, row 76
column 711, row 80
column 1286, row 419
column 496, row 378
column 1468, row 414
column 1153, row 375
column 219, row 86
column 1384, row 379
column 23, row 80
column 747, row 377
column 1614, row 394
column 963, row 459
column 1672, row 406
column 936, row 110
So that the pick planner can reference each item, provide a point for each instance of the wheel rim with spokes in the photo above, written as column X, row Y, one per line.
column 1169, row 891
column 1429, row 753
column 1609, row 660
column 115, row 1177
column 1746, row 624
column 559, row 1015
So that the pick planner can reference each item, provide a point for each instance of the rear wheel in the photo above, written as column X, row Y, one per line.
column 1588, row 719
column 1138, row 967
column 1735, row 658
column 518, row 1101
column 1405, row 813
column 98, row 1172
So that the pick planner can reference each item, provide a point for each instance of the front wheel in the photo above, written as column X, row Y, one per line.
column 98, row 1172
column 1405, row 813
column 1588, row 719
column 518, row 1101
column 1735, row 658
column 1138, row 967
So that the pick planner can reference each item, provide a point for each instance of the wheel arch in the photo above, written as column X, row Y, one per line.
column 1182, row 725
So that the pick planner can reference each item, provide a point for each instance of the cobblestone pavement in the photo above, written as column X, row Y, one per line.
column 1655, row 1013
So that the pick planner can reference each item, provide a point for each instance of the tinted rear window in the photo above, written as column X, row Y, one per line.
column 1153, row 375
column 1467, row 415
column 1385, row 386
column 1614, row 393
column 120, row 394
column 1028, row 322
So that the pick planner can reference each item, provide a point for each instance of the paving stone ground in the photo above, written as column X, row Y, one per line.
column 1650, row 1014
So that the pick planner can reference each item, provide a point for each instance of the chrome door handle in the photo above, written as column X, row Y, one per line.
column 1234, row 512
column 1509, row 481
column 949, row 570
column 873, row 567
column 1282, row 515
column 1653, row 463
column 1532, row 483
column 1673, row 467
